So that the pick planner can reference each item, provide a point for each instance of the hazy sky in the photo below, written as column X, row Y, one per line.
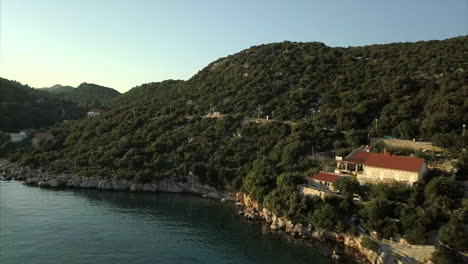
column 122, row 44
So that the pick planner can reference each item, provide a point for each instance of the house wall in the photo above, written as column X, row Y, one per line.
column 16, row 137
column 310, row 191
column 91, row 114
column 387, row 175
column 422, row 172
column 329, row 185
column 36, row 142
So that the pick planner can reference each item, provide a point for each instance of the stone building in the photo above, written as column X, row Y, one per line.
column 324, row 180
column 95, row 112
column 382, row 167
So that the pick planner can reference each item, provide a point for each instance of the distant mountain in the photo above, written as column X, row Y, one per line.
column 91, row 95
column 59, row 89
column 24, row 107
column 87, row 95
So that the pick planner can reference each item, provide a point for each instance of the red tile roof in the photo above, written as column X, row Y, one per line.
column 42, row 136
column 386, row 161
column 325, row 176
column 394, row 162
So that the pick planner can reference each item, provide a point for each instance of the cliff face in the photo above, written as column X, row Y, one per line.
column 250, row 209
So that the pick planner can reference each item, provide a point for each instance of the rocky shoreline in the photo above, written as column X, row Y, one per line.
column 250, row 209
column 36, row 177
column 189, row 184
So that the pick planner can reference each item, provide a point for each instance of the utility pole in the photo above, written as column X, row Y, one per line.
column 170, row 109
column 368, row 139
column 211, row 111
column 463, row 133
column 376, row 123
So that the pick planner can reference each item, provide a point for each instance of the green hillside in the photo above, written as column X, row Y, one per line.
column 413, row 89
column 91, row 95
column 146, row 91
column 23, row 107
column 318, row 98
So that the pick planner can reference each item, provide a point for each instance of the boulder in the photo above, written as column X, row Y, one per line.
column 90, row 183
column 274, row 226
column 149, row 187
column 298, row 229
column 136, row 187
column 104, row 185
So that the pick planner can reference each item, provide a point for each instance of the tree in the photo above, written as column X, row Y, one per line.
column 444, row 255
column 443, row 193
column 453, row 234
column 260, row 180
column 347, row 185
column 326, row 218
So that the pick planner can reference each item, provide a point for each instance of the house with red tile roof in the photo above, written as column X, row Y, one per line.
column 382, row 167
column 95, row 112
column 324, row 180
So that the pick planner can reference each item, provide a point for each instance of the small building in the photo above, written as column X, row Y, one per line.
column 40, row 138
column 17, row 137
column 95, row 112
column 382, row 167
column 320, row 185
column 324, row 180
column 214, row 115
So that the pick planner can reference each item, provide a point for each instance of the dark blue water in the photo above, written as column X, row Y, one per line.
column 65, row 226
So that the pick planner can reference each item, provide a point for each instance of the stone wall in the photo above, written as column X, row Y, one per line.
column 304, row 190
column 387, row 175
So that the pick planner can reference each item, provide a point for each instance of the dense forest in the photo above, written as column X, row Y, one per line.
column 86, row 95
column 317, row 98
column 24, row 107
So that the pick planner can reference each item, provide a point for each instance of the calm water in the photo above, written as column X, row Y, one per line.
column 64, row 226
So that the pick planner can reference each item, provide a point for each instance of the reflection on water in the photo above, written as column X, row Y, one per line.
column 89, row 226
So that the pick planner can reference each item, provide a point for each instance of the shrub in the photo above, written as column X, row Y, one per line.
column 370, row 244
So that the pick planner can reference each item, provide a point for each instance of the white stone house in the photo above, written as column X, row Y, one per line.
column 383, row 168
column 95, row 112
column 17, row 137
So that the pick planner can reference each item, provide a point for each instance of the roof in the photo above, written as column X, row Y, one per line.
column 42, row 135
column 325, row 176
column 394, row 162
column 358, row 157
column 386, row 161
column 97, row 110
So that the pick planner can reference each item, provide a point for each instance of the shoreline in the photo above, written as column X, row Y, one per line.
column 349, row 246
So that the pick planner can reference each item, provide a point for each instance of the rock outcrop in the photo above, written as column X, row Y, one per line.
column 249, row 208
column 177, row 183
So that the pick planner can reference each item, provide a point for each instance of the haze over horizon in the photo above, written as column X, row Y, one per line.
column 50, row 42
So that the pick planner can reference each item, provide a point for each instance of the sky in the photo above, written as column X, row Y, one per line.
column 125, row 43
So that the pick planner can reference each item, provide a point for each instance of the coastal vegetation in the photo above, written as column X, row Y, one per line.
column 280, row 104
